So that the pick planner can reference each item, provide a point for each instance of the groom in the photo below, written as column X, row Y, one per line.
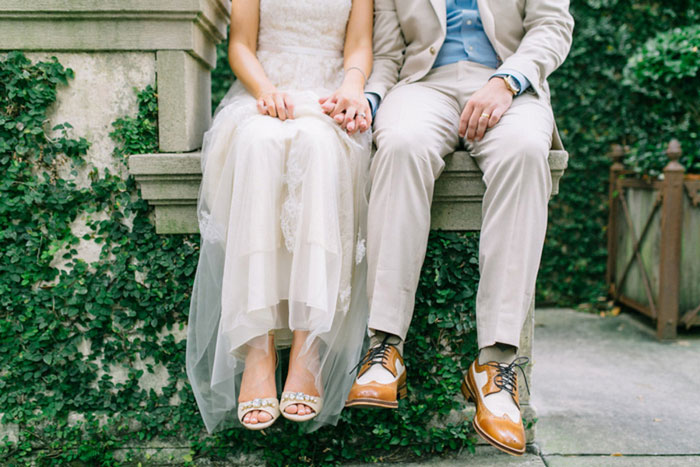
column 448, row 72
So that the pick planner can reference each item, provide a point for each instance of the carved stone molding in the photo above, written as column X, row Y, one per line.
column 195, row 26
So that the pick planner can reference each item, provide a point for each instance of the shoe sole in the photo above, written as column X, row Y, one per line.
column 469, row 396
column 298, row 418
column 259, row 426
column 379, row 403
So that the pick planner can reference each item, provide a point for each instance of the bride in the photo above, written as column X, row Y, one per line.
column 282, row 209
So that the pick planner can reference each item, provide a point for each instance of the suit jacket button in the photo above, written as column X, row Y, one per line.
column 432, row 50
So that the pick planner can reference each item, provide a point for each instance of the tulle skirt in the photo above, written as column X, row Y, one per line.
column 282, row 211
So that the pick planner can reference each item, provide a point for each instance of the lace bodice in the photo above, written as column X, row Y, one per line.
column 300, row 42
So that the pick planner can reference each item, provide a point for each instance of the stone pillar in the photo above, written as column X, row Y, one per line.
column 120, row 44
column 115, row 46
column 529, row 412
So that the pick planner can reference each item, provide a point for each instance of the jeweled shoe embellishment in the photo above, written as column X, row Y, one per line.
column 298, row 397
column 291, row 398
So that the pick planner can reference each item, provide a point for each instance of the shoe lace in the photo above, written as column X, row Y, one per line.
column 506, row 377
column 377, row 354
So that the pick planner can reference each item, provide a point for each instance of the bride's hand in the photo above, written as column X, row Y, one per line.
column 349, row 108
column 276, row 104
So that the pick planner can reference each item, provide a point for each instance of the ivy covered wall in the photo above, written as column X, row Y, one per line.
column 92, row 349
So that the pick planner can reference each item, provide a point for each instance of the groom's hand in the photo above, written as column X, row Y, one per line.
column 484, row 109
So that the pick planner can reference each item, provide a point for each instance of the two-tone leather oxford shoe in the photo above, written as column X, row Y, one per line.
column 381, row 381
column 493, row 387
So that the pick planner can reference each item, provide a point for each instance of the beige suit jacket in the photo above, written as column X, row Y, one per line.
column 529, row 36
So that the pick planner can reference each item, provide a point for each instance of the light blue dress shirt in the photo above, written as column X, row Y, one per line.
column 465, row 40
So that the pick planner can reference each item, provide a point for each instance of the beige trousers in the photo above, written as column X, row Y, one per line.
column 415, row 127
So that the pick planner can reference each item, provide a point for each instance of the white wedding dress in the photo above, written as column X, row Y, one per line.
column 282, row 211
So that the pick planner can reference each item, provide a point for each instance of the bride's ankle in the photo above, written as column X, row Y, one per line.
column 258, row 380
column 304, row 366
column 260, row 349
column 299, row 339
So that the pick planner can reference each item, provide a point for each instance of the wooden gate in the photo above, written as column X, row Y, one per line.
column 654, row 243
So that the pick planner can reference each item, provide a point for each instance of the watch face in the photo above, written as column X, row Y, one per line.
column 512, row 81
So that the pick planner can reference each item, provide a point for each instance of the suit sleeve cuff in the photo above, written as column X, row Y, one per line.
column 373, row 99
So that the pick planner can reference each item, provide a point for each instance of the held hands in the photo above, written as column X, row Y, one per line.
column 276, row 104
column 349, row 108
column 484, row 109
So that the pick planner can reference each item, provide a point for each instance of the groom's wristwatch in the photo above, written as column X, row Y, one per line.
column 511, row 83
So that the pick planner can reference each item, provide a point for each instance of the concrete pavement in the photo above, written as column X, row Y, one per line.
column 608, row 393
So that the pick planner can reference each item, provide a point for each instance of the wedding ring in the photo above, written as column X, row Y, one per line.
column 362, row 114
column 485, row 115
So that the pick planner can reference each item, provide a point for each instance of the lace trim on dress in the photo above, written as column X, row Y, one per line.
column 360, row 249
column 345, row 299
column 209, row 230
column 291, row 208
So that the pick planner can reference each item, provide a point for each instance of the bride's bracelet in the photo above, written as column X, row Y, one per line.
column 358, row 69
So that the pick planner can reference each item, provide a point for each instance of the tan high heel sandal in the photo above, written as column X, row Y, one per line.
column 268, row 405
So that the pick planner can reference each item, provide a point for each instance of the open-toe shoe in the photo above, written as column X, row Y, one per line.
column 291, row 398
column 268, row 405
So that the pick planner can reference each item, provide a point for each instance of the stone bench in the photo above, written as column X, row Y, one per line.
column 170, row 182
